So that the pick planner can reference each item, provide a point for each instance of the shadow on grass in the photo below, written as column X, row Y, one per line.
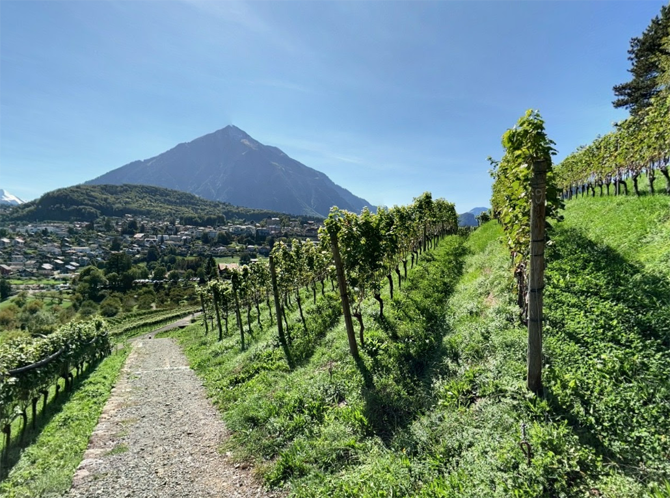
column 608, row 334
column 403, row 360
column 32, row 432
column 320, row 318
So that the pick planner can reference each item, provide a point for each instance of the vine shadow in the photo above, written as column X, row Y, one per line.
column 627, row 309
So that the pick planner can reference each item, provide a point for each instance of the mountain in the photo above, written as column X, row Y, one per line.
column 469, row 219
column 230, row 166
column 7, row 198
column 89, row 202
column 478, row 210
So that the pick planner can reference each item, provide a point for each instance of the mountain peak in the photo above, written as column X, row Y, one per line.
column 233, row 132
column 7, row 198
column 229, row 165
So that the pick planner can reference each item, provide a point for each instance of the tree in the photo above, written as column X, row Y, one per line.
column 160, row 272
column 116, row 244
column 483, row 217
column 5, row 289
column 222, row 238
column 110, row 307
column 211, row 269
column 153, row 254
column 118, row 263
column 646, row 54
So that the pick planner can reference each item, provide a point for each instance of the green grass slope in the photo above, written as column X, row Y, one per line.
column 437, row 407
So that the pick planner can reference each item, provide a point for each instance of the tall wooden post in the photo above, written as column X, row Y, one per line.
column 536, row 277
column 238, row 316
column 344, row 296
column 204, row 313
column 215, row 292
column 280, row 325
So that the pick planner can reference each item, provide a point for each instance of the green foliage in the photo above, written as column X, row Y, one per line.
column 45, row 468
column 68, row 346
column 372, row 246
column 5, row 289
column 437, row 405
column 330, row 412
column 90, row 202
column 639, row 144
column 524, row 144
column 110, row 307
column 649, row 55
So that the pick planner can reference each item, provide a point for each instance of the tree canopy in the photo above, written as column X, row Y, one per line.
column 648, row 54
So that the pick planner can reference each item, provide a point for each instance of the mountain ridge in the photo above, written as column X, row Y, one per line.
column 229, row 165
column 89, row 202
column 469, row 218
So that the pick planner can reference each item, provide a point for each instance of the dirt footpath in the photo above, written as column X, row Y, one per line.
column 158, row 435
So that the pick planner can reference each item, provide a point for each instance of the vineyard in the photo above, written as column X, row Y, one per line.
column 31, row 367
column 431, row 399
column 373, row 354
column 436, row 404
column 640, row 145
column 359, row 252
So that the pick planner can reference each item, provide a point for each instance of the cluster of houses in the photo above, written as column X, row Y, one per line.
column 59, row 250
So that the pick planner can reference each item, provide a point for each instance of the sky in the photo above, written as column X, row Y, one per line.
column 388, row 98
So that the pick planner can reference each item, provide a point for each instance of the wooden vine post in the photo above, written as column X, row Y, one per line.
column 344, row 296
column 278, row 310
column 536, row 277
column 204, row 313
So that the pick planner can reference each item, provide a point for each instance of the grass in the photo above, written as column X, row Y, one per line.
column 437, row 406
column 49, row 302
column 638, row 227
column 47, row 282
column 46, row 466
column 228, row 259
column 303, row 426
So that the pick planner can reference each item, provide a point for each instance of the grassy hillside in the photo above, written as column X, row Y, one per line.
column 438, row 404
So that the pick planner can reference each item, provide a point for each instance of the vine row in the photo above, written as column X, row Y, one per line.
column 29, row 366
column 373, row 248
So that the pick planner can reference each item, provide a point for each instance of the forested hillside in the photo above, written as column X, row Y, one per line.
column 89, row 202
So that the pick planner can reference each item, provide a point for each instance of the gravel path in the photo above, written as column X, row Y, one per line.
column 158, row 435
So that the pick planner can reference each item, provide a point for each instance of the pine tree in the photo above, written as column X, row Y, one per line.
column 646, row 54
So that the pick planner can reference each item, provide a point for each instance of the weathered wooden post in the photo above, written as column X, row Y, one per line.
column 536, row 277
column 344, row 296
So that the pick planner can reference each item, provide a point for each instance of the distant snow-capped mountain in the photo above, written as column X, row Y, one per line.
column 7, row 198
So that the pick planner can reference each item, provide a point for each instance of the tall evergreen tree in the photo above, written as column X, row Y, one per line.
column 645, row 53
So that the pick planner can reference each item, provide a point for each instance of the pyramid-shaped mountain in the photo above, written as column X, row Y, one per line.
column 230, row 166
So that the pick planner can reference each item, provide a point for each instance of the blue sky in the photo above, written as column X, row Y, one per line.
column 389, row 99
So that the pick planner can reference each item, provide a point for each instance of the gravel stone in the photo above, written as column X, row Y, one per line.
column 158, row 435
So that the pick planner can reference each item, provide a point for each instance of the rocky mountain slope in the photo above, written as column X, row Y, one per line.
column 230, row 166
